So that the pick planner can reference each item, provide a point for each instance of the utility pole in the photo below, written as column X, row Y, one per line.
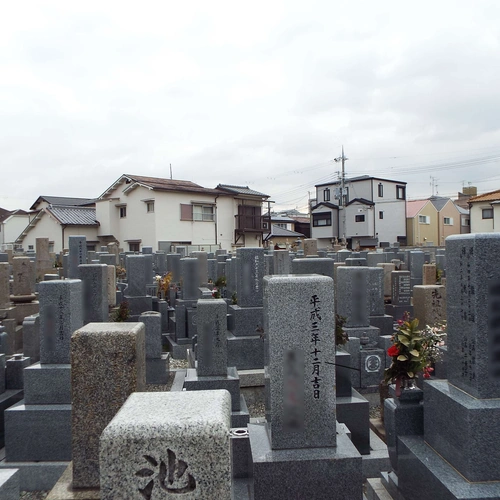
column 342, row 197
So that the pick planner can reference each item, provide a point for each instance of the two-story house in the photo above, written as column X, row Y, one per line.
column 368, row 211
column 57, row 218
column 12, row 222
column 149, row 211
column 485, row 212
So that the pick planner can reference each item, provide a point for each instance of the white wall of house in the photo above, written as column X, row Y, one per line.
column 353, row 223
column 12, row 227
column 48, row 227
column 227, row 209
column 393, row 223
column 480, row 222
column 325, row 234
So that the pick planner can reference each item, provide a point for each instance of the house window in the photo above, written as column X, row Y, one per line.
column 360, row 218
column 424, row 219
column 123, row 212
column 380, row 190
column 465, row 222
column 150, row 206
column 31, row 247
column 203, row 212
column 322, row 219
column 133, row 247
column 264, row 225
column 381, row 215
column 487, row 213
column 280, row 224
column 448, row 221
column 326, row 194
column 197, row 212
column 51, row 246
column 401, row 192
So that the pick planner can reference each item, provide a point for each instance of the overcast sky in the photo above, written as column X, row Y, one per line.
column 257, row 93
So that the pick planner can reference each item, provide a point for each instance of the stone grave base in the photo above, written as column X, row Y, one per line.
column 241, row 417
column 36, row 476
column 372, row 332
column 383, row 323
column 9, row 484
column 378, row 459
column 22, row 310
column 7, row 399
column 7, row 313
column 157, row 370
column 397, row 312
column 245, row 321
column 245, row 353
column 178, row 350
column 231, row 383
column 295, row 473
column 137, row 305
column 38, row 433
column 63, row 489
column 47, row 384
column 424, row 474
column 354, row 412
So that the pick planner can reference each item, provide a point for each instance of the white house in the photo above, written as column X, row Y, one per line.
column 485, row 212
column 12, row 222
column 57, row 218
column 372, row 210
column 149, row 211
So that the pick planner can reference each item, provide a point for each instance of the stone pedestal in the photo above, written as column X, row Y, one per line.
column 180, row 438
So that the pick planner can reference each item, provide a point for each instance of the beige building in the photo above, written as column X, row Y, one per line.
column 431, row 221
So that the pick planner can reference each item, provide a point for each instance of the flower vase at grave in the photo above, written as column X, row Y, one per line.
column 405, row 384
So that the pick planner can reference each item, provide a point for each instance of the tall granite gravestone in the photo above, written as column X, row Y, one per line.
column 429, row 274
column 174, row 266
column 353, row 303
column 107, row 365
column 212, row 371
column 281, row 262
column 314, row 265
column 157, row 362
column 400, row 295
column 202, row 278
column 388, row 269
column 416, row 266
column 44, row 264
column 168, row 445
column 300, row 450
column 310, row 247
column 378, row 318
column 458, row 455
column 31, row 337
column 111, row 285
column 23, row 289
column 38, row 429
column 5, row 305
column 77, row 254
column 245, row 344
column 135, row 293
column 95, row 292
column 429, row 304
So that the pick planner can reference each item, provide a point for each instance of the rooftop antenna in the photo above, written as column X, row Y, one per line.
column 342, row 198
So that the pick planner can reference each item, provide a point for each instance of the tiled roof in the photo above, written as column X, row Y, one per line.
column 74, row 216
column 282, row 232
column 170, row 184
column 462, row 210
column 359, row 178
column 439, row 202
column 325, row 204
column 413, row 207
column 241, row 190
column 4, row 214
column 62, row 200
column 491, row 196
column 363, row 201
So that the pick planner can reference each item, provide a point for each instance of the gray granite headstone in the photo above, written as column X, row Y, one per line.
column 353, row 300
column 95, row 292
column 4, row 284
column 313, row 265
column 152, row 322
column 77, row 254
column 281, row 262
column 250, row 271
column 300, row 325
column 473, row 313
column 212, row 337
column 174, row 266
column 401, row 288
column 189, row 277
column 108, row 259
column 376, row 290
column 202, row 267
column 136, row 275
column 61, row 313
